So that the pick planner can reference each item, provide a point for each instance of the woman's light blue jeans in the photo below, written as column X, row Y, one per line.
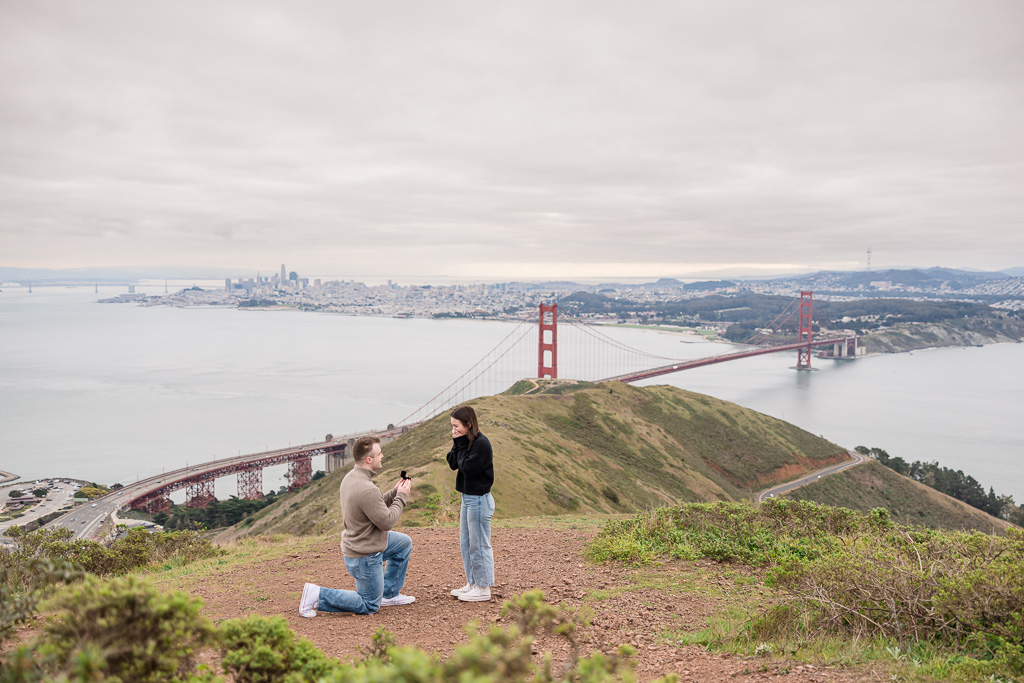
column 475, row 538
column 373, row 580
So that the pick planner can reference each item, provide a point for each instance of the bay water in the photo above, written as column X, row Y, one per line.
column 117, row 392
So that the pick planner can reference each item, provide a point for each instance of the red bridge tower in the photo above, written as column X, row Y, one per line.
column 548, row 323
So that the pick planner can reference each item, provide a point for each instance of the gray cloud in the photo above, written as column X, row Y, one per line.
column 406, row 138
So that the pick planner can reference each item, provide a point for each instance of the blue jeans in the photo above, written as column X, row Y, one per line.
column 475, row 538
column 373, row 580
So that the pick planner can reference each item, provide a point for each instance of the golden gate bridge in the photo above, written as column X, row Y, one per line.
column 593, row 355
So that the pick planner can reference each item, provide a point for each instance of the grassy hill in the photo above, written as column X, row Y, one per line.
column 873, row 485
column 578, row 447
column 575, row 447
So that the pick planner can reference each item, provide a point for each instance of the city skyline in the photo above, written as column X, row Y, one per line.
column 499, row 143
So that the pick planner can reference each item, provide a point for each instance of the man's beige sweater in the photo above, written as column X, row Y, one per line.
column 368, row 513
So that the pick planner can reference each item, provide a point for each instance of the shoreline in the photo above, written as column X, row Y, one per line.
column 6, row 477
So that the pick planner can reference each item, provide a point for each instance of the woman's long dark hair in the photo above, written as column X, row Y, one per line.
column 467, row 416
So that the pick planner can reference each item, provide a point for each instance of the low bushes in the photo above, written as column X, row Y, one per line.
column 136, row 548
column 777, row 531
column 839, row 572
column 123, row 630
column 50, row 556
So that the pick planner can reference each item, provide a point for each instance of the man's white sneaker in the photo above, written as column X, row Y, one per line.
column 397, row 600
column 465, row 589
column 310, row 600
column 476, row 594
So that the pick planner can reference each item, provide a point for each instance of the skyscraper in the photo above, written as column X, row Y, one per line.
column 284, row 278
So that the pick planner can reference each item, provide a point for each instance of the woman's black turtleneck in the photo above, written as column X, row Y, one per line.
column 475, row 465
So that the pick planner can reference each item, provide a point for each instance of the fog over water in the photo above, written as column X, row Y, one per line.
column 116, row 392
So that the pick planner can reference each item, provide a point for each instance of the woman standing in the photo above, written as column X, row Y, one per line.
column 471, row 456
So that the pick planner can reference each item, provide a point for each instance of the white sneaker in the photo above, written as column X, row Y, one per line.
column 310, row 600
column 465, row 589
column 476, row 594
column 397, row 600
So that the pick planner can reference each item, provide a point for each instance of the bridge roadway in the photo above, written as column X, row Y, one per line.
column 90, row 519
column 711, row 360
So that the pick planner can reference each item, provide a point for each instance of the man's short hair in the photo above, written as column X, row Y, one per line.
column 363, row 447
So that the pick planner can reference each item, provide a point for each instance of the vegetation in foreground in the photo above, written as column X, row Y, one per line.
column 125, row 630
column 833, row 586
column 937, row 604
column 43, row 559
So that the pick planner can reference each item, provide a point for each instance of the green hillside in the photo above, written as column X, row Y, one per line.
column 873, row 485
column 572, row 447
column 578, row 447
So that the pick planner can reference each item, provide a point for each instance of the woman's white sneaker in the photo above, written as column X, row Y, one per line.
column 476, row 594
column 460, row 591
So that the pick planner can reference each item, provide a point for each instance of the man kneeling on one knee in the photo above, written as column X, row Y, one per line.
column 375, row 556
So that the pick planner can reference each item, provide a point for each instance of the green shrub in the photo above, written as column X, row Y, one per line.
column 439, row 510
column 137, row 548
column 118, row 630
column 123, row 630
column 22, row 583
column 952, row 588
column 775, row 532
column 48, row 556
column 261, row 650
column 497, row 655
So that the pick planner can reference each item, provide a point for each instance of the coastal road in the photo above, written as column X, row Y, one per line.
column 774, row 491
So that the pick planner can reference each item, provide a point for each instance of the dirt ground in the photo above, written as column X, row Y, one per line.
column 525, row 559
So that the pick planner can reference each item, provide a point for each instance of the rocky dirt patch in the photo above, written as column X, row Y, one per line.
column 641, row 608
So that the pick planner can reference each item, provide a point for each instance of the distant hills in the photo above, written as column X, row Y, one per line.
column 908, row 276
column 564, row 446
column 929, row 278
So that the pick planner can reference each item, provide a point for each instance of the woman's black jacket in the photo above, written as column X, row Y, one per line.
column 475, row 465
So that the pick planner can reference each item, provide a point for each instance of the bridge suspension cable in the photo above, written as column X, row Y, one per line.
column 789, row 311
column 458, row 389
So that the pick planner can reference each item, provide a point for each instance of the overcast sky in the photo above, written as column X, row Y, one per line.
column 512, row 140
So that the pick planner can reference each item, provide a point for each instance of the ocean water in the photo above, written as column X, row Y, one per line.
column 117, row 392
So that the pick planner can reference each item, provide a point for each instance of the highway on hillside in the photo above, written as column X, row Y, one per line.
column 86, row 520
column 774, row 491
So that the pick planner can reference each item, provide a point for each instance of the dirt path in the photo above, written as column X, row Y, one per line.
column 524, row 559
